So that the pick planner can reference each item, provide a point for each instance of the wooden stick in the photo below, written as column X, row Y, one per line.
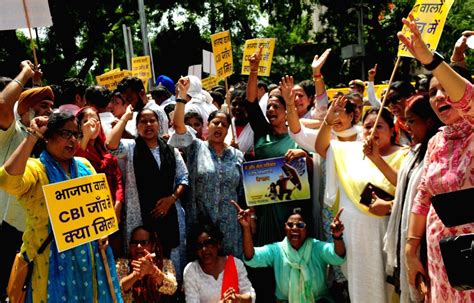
column 385, row 96
column 109, row 277
column 112, row 60
column 32, row 43
column 227, row 101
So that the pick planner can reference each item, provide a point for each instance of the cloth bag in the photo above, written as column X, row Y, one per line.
column 20, row 274
column 19, row 278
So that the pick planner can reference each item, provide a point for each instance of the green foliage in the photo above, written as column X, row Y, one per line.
column 84, row 32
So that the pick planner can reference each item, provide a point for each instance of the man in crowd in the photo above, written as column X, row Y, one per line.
column 31, row 103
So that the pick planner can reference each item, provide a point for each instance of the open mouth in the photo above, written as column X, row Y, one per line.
column 444, row 108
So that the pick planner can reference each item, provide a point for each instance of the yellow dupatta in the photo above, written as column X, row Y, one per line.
column 354, row 172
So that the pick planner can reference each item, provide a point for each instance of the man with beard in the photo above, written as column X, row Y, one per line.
column 31, row 103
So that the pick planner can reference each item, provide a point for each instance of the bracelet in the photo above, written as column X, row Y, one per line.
column 413, row 238
column 179, row 100
column 318, row 79
column 34, row 133
column 19, row 83
column 254, row 71
column 318, row 76
column 337, row 238
column 174, row 197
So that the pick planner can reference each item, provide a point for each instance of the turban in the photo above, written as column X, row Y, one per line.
column 166, row 82
column 32, row 96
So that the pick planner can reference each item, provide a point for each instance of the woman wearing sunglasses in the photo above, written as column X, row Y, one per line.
column 214, row 277
column 299, row 262
column 54, row 278
column 147, row 275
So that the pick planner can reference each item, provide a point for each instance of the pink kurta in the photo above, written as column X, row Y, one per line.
column 448, row 166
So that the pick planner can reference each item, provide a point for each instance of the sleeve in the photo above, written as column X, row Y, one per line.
column 371, row 94
column 119, row 196
column 245, row 286
column 190, row 284
column 306, row 138
column 465, row 106
column 182, row 176
column 327, row 253
column 163, row 120
column 20, row 184
column 169, row 285
column 322, row 102
column 263, row 256
column 122, row 150
column 257, row 120
column 422, row 202
column 184, row 140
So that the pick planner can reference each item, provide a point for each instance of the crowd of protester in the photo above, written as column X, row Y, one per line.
column 173, row 161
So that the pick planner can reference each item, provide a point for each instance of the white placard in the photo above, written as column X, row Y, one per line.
column 195, row 70
column 12, row 14
column 208, row 64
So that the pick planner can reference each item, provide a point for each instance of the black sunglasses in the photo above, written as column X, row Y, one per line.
column 295, row 224
column 141, row 242
column 68, row 134
column 208, row 242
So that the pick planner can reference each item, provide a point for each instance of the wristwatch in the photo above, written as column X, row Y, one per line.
column 437, row 59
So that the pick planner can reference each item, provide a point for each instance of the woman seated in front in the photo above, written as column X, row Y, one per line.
column 299, row 262
column 212, row 277
column 146, row 276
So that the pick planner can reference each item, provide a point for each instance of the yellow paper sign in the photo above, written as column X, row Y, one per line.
column 80, row 210
column 209, row 82
column 252, row 46
column 111, row 79
column 222, row 49
column 141, row 67
column 430, row 17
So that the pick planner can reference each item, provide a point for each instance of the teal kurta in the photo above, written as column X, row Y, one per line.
column 322, row 254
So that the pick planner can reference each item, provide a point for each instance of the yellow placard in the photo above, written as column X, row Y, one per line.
column 222, row 49
column 141, row 67
column 252, row 46
column 430, row 17
column 80, row 210
column 111, row 79
column 209, row 82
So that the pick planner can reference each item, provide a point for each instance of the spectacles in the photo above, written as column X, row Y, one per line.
column 208, row 242
column 141, row 242
column 296, row 224
column 68, row 134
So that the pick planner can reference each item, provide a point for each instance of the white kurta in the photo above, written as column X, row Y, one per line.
column 363, row 237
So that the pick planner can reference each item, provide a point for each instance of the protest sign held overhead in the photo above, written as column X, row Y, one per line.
column 80, row 210
column 209, row 82
column 208, row 64
column 112, row 78
column 222, row 49
column 275, row 180
column 430, row 17
column 13, row 14
column 252, row 46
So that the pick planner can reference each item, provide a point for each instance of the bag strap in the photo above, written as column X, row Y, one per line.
column 45, row 243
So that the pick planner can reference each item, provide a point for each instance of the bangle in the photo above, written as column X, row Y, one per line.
column 174, row 197
column 254, row 216
column 337, row 238
column 413, row 238
column 19, row 83
column 254, row 71
column 179, row 100
column 34, row 133
column 317, row 75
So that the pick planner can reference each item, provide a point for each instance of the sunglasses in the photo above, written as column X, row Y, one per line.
column 296, row 224
column 141, row 242
column 68, row 134
column 208, row 242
